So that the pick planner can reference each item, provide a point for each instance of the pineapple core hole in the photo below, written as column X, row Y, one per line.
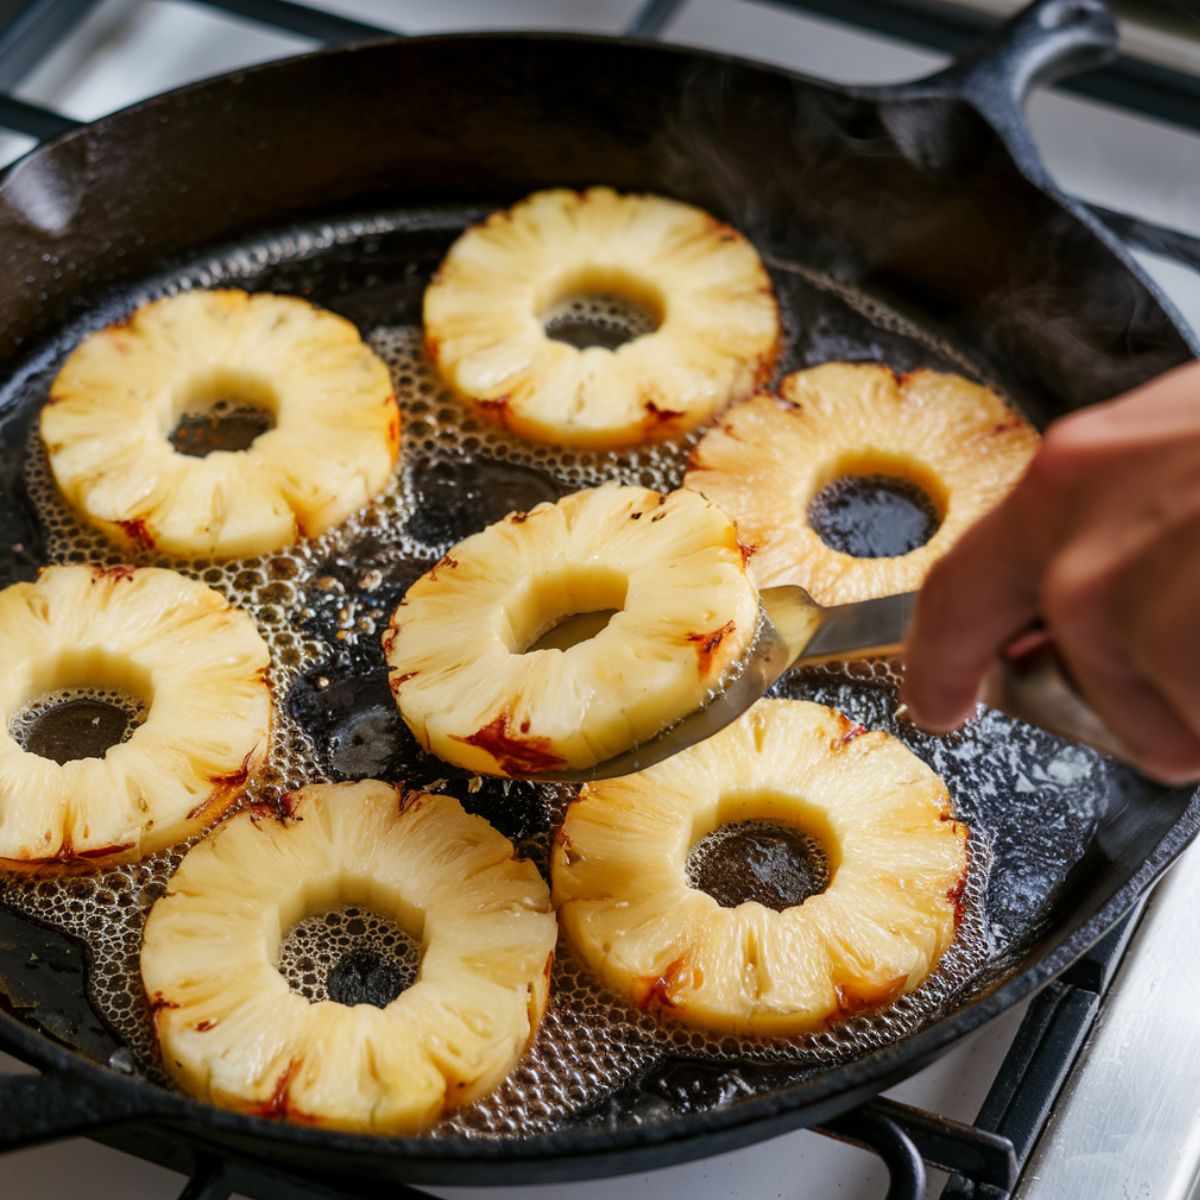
column 80, row 704
column 778, row 865
column 222, row 410
column 77, row 723
column 762, row 845
column 561, row 609
column 349, row 955
column 869, row 512
column 604, row 308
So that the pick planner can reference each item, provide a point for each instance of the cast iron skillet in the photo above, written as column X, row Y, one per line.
column 928, row 198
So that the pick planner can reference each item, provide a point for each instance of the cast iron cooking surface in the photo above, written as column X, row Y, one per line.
column 1038, row 807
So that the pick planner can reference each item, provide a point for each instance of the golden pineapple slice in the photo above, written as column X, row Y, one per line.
column 702, row 281
column 119, row 396
column 473, row 690
column 194, row 661
column 897, row 864
column 233, row 1033
column 770, row 457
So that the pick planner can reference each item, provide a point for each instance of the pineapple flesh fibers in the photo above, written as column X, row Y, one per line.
column 233, row 1033
column 459, row 653
column 116, row 401
column 957, row 442
column 717, row 329
column 198, row 665
column 897, row 864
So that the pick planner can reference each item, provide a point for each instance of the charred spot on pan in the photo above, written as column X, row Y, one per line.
column 351, row 717
column 517, row 808
column 707, row 645
column 454, row 499
column 513, row 754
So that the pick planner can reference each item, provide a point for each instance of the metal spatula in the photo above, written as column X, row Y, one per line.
column 794, row 629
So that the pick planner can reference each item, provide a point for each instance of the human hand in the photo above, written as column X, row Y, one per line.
column 1100, row 541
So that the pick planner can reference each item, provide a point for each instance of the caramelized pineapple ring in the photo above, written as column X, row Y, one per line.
column 957, row 442
column 475, row 690
column 194, row 661
column 702, row 283
column 233, row 1033
column 897, row 864
column 332, row 428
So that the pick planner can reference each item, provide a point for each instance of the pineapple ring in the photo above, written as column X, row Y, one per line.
column 457, row 647
column 897, row 864
column 718, row 322
column 234, row 1034
column 198, row 664
column 958, row 442
column 335, row 439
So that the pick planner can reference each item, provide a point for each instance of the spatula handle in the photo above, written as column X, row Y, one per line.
column 1031, row 683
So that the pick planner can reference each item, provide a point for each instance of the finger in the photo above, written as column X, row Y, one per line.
column 1159, row 606
column 974, row 600
column 1158, row 738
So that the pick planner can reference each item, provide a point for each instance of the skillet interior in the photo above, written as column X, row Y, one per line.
column 1068, row 831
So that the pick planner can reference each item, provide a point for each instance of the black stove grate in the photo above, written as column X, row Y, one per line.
column 984, row 1159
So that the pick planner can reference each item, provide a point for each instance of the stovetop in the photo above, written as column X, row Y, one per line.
column 1125, row 1123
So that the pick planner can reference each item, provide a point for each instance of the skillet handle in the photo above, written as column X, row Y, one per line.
column 1044, row 42
column 62, row 1104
